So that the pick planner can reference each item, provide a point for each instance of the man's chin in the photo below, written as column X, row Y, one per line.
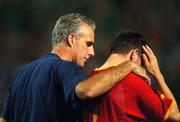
column 81, row 65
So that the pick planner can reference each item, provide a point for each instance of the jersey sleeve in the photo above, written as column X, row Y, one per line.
column 69, row 74
column 150, row 102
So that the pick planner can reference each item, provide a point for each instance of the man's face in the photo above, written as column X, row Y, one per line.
column 83, row 48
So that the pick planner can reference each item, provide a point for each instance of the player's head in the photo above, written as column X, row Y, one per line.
column 77, row 32
column 129, row 43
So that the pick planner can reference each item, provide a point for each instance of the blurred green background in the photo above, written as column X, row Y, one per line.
column 26, row 26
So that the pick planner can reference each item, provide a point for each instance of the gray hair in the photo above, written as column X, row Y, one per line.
column 67, row 24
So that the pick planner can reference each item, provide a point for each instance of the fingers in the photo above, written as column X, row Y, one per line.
column 142, row 72
column 149, row 49
column 148, row 80
column 147, row 52
column 146, row 77
column 145, row 59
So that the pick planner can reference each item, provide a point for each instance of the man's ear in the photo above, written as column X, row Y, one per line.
column 133, row 55
column 71, row 40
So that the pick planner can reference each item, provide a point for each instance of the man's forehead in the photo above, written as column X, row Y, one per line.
column 86, row 28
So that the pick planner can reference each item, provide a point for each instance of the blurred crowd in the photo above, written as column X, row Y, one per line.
column 26, row 25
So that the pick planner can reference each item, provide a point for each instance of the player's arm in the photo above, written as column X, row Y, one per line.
column 102, row 82
column 175, row 114
column 2, row 120
column 153, row 67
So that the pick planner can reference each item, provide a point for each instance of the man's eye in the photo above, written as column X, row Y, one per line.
column 89, row 44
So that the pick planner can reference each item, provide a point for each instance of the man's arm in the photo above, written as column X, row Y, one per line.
column 175, row 114
column 102, row 82
column 153, row 67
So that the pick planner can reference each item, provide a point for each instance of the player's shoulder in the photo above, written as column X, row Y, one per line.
column 136, row 80
column 98, row 70
column 134, row 76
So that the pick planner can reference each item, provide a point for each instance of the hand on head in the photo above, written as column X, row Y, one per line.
column 150, row 61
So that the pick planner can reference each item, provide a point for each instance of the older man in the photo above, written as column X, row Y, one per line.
column 53, row 88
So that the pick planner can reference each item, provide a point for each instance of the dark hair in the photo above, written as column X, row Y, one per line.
column 126, row 41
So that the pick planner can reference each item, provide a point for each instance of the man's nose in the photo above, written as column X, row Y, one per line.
column 91, row 51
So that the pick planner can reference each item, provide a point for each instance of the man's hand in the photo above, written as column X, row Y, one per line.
column 153, row 67
column 150, row 61
column 140, row 71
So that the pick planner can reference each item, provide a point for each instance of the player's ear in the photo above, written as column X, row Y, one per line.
column 133, row 54
column 71, row 39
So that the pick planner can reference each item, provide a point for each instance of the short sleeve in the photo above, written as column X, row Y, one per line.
column 150, row 102
column 69, row 74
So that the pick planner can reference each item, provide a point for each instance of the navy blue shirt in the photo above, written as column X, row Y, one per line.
column 44, row 91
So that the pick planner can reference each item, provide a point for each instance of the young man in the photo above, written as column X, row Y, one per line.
column 53, row 88
column 132, row 99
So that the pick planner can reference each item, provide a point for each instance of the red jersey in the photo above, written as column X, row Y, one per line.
column 131, row 100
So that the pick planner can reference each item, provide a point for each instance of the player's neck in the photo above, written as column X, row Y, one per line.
column 114, row 60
